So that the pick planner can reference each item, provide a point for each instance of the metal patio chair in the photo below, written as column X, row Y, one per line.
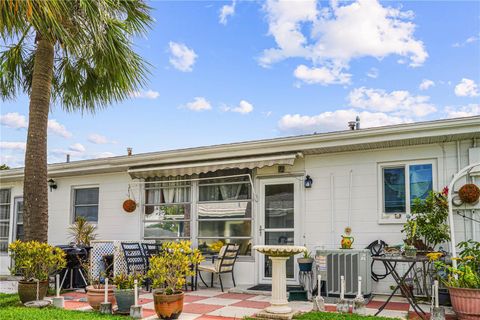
column 135, row 260
column 150, row 250
column 224, row 264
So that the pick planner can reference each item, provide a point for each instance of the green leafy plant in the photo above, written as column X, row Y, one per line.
column 467, row 272
column 307, row 255
column 427, row 226
column 169, row 269
column 123, row 281
column 35, row 260
column 82, row 232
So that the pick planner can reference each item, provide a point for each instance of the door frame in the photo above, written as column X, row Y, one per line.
column 297, row 181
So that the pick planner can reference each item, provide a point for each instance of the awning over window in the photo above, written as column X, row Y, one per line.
column 190, row 168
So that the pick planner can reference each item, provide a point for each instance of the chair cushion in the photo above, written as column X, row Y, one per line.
column 207, row 267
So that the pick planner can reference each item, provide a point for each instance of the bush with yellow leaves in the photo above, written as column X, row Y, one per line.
column 169, row 269
column 35, row 260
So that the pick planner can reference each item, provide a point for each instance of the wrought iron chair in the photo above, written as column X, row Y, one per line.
column 224, row 264
column 135, row 259
column 150, row 250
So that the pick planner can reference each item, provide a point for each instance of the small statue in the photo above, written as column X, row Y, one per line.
column 347, row 239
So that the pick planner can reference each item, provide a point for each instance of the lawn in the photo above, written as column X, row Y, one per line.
column 10, row 308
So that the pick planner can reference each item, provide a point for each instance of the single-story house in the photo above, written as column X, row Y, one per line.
column 258, row 192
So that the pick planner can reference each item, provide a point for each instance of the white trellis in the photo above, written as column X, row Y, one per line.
column 464, row 172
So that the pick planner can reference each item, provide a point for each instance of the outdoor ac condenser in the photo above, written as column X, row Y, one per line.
column 351, row 263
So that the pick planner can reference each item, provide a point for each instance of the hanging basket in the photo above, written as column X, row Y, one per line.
column 469, row 193
column 129, row 205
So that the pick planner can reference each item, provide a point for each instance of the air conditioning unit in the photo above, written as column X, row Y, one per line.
column 350, row 263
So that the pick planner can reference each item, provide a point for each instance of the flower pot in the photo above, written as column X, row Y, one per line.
column 410, row 252
column 129, row 205
column 168, row 306
column 305, row 264
column 469, row 193
column 465, row 303
column 96, row 296
column 125, row 299
column 27, row 290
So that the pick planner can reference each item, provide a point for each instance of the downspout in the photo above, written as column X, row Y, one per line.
column 332, row 211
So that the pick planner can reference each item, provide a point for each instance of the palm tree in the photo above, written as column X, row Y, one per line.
column 75, row 53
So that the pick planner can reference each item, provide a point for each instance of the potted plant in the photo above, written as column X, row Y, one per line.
column 124, row 290
column 463, row 282
column 168, row 272
column 96, row 288
column 410, row 230
column 82, row 232
column 305, row 263
column 34, row 261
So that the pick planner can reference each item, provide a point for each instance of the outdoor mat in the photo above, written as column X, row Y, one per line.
column 268, row 287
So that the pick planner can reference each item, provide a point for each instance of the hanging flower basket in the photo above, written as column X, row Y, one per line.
column 129, row 205
column 469, row 193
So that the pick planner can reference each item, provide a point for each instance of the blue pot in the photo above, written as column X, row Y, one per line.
column 125, row 299
column 305, row 264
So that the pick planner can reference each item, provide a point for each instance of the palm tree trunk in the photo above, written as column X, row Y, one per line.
column 35, row 188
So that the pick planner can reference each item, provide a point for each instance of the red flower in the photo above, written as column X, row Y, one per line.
column 445, row 191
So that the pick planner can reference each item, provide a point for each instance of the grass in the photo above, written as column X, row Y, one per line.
column 11, row 308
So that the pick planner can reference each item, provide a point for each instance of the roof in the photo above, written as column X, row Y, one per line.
column 418, row 133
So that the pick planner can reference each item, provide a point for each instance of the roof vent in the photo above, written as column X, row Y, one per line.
column 357, row 120
column 129, row 151
column 68, row 158
column 354, row 125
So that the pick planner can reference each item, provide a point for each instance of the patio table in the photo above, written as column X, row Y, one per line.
column 390, row 264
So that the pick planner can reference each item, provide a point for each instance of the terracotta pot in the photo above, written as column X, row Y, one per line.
column 465, row 303
column 129, row 205
column 97, row 296
column 27, row 290
column 168, row 306
column 469, row 193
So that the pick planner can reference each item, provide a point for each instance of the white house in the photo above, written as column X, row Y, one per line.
column 254, row 192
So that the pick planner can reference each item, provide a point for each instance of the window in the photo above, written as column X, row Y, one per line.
column 4, row 219
column 167, row 209
column 85, row 203
column 404, row 181
column 19, row 232
column 224, row 211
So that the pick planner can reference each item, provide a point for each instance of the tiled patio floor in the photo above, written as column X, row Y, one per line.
column 212, row 304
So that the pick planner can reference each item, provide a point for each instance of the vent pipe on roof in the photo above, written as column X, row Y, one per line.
column 354, row 125
column 357, row 120
column 68, row 158
column 129, row 151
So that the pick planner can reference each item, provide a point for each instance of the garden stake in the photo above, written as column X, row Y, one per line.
column 342, row 305
column 359, row 301
column 105, row 306
column 136, row 310
column 318, row 302
column 58, row 300
column 437, row 312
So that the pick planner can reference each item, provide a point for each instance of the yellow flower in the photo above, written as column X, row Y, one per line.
column 469, row 258
column 457, row 259
column 433, row 256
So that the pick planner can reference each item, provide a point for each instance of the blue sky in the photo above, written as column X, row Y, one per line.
column 270, row 69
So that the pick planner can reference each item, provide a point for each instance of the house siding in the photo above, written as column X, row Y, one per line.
column 315, row 222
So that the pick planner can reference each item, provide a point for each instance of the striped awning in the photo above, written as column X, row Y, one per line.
column 190, row 168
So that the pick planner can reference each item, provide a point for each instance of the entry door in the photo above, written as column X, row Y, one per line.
column 279, row 222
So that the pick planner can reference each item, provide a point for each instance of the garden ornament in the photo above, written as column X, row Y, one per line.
column 359, row 301
column 318, row 302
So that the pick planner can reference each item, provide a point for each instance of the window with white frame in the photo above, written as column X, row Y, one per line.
column 85, row 203
column 167, row 209
column 4, row 219
column 224, row 211
column 401, row 183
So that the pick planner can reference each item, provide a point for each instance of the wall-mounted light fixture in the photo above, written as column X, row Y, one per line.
column 52, row 184
column 308, row 182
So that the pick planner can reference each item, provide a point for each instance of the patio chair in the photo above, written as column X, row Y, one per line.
column 135, row 260
column 224, row 264
column 150, row 250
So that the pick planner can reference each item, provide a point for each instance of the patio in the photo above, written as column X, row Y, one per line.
column 212, row 304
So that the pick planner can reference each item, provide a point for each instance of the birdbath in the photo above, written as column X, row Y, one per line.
column 279, row 256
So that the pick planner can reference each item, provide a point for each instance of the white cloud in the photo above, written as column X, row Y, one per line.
column 182, row 57
column 99, row 139
column 198, row 104
column 12, row 160
column 335, row 120
column 323, row 75
column 77, row 147
column 466, row 88
column 105, row 154
column 244, row 107
column 148, row 94
column 226, row 11
column 335, row 35
column 13, row 120
column 399, row 103
column 373, row 73
column 467, row 41
column 59, row 129
column 469, row 110
column 12, row 145
column 426, row 84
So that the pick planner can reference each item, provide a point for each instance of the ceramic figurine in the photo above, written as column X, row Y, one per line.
column 347, row 239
